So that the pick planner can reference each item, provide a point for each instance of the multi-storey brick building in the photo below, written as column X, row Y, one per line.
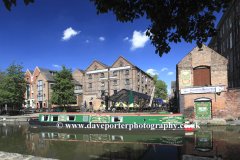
column 121, row 74
column 40, row 88
column 227, row 42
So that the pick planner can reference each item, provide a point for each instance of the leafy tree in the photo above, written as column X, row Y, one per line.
column 172, row 20
column 2, row 97
column 160, row 88
column 8, row 3
column 13, row 86
column 63, row 88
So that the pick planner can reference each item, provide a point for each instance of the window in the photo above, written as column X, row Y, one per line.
column 27, row 79
column 102, row 84
column 90, row 85
column 127, row 72
column 117, row 119
column 220, row 33
column 227, row 24
column 201, row 76
column 127, row 81
column 32, row 95
column 121, row 64
column 95, row 67
column 43, row 85
column 115, row 82
column 76, row 87
column 45, row 117
column 44, row 95
column 85, row 118
column 230, row 23
column 114, row 73
column 32, row 87
column 102, row 75
column 115, row 91
column 71, row 118
column 230, row 40
column 54, row 118
column 31, row 79
column 51, row 85
column 145, row 79
column 90, row 76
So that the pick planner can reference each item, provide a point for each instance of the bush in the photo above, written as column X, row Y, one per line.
column 229, row 119
column 64, row 110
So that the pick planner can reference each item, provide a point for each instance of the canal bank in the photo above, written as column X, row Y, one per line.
column 19, row 118
column 8, row 156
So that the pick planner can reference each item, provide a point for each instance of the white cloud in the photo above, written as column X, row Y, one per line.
column 101, row 38
column 152, row 71
column 68, row 33
column 170, row 73
column 125, row 39
column 55, row 65
column 138, row 40
column 164, row 69
column 87, row 41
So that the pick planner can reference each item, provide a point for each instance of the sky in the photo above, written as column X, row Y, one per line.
column 48, row 34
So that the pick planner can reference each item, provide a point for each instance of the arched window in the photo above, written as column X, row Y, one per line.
column 201, row 76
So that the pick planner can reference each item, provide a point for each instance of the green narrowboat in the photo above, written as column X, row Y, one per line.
column 110, row 120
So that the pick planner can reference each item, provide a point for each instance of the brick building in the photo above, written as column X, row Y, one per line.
column 201, row 83
column 121, row 74
column 227, row 42
column 40, row 88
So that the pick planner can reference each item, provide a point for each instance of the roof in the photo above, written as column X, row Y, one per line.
column 123, row 96
column 48, row 76
column 31, row 72
column 46, row 70
column 76, row 82
column 80, row 70
column 103, row 64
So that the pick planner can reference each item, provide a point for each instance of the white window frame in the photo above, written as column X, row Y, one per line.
column 54, row 116
column 118, row 117
column 43, row 117
column 71, row 116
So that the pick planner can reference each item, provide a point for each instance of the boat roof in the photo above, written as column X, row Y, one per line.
column 130, row 114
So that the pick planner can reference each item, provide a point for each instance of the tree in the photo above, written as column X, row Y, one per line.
column 8, row 3
column 2, row 97
column 63, row 88
column 160, row 88
column 13, row 86
column 172, row 20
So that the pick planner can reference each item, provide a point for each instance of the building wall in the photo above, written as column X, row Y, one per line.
column 229, row 34
column 221, row 108
column 78, row 75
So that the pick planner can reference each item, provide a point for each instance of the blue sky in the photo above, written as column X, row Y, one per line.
column 48, row 34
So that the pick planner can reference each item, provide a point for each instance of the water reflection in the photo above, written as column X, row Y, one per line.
column 208, row 143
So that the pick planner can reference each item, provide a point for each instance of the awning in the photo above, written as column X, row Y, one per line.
column 123, row 96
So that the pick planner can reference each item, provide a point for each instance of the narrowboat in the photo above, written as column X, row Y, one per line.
column 153, row 121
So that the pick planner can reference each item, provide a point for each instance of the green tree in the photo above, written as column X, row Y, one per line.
column 160, row 87
column 8, row 3
column 2, row 95
column 13, row 86
column 63, row 88
column 171, row 20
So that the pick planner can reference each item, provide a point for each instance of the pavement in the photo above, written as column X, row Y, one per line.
column 17, row 156
column 18, row 118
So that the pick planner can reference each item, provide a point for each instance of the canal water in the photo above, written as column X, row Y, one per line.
column 208, row 143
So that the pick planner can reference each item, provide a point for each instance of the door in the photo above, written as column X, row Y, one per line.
column 203, row 110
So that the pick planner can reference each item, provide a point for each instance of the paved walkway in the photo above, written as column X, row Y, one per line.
column 17, row 156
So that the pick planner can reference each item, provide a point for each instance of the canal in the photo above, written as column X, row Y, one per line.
column 216, row 142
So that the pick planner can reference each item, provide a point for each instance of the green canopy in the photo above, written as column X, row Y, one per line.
column 131, row 98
